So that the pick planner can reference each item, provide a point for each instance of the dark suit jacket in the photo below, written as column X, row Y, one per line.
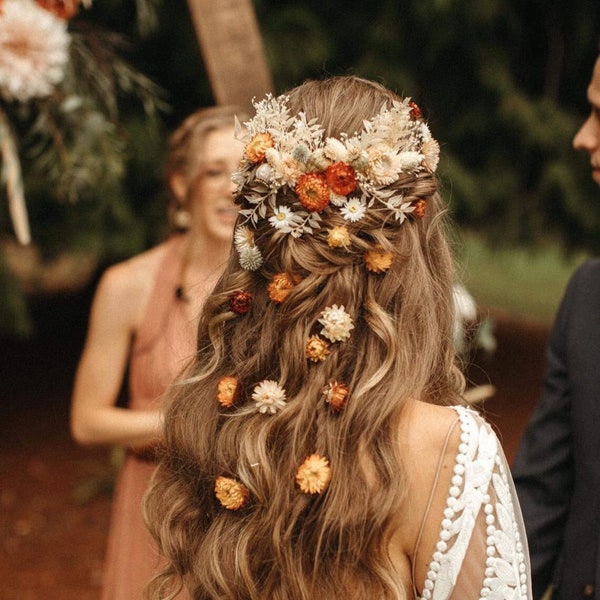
column 557, row 467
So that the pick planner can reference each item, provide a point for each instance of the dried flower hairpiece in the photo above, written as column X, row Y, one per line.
column 314, row 474
column 269, row 397
column 281, row 286
column 240, row 302
column 337, row 323
column 336, row 395
column 317, row 349
column 352, row 174
column 227, row 388
column 378, row 260
column 232, row 494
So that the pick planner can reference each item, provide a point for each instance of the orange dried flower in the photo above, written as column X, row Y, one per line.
column 336, row 395
column 317, row 349
column 338, row 237
column 420, row 208
column 378, row 260
column 281, row 286
column 312, row 191
column 231, row 493
column 227, row 388
column 314, row 474
column 257, row 147
column 341, row 178
column 63, row 9
column 415, row 111
column 240, row 302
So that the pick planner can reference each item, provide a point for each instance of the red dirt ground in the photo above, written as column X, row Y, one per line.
column 55, row 496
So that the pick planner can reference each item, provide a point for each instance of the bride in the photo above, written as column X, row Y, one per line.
column 318, row 447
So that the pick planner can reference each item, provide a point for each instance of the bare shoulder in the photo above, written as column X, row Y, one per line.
column 428, row 429
column 124, row 288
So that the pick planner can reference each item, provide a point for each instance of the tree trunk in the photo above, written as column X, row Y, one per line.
column 232, row 50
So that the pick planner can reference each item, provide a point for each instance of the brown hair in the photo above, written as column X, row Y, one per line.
column 285, row 544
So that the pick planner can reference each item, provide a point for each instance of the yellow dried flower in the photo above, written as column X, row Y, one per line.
column 227, row 387
column 378, row 260
column 231, row 493
column 281, row 286
column 338, row 237
column 314, row 474
column 336, row 395
column 317, row 349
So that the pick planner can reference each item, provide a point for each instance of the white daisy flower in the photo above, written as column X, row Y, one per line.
column 354, row 210
column 284, row 219
column 269, row 397
column 34, row 50
column 336, row 322
column 250, row 258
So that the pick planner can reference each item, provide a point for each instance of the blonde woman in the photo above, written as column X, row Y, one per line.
column 144, row 319
column 318, row 447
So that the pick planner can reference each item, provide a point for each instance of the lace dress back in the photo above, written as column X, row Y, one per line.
column 481, row 551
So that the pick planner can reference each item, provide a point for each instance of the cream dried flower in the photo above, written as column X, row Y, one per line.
column 314, row 474
column 34, row 50
column 336, row 322
column 269, row 397
column 250, row 258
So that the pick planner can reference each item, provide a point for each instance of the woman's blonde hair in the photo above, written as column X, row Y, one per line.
column 285, row 544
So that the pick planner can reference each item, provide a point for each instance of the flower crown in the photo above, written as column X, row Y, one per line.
column 352, row 174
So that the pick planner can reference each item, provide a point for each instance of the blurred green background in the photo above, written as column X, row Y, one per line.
column 502, row 83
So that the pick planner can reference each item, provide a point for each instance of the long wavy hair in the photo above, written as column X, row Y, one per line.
column 285, row 544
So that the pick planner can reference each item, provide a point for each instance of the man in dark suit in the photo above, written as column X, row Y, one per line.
column 557, row 467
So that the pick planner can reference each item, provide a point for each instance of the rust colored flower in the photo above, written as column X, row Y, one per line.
column 312, row 191
column 281, row 286
column 338, row 237
column 420, row 208
column 341, row 178
column 240, row 302
column 314, row 474
column 378, row 260
column 63, row 9
column 336, row 395
column 257, row 147
column 415, row 111
column 317, row 349
column 227, row 388
column 231, row 493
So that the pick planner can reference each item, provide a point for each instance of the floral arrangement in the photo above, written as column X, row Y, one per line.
column 59, row 82
column 354, row 174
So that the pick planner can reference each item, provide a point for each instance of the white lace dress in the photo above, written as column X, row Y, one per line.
column 482, row 550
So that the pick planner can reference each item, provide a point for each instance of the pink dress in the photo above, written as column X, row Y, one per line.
column 164, row 342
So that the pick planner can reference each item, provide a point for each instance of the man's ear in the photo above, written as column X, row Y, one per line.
column 179, row 187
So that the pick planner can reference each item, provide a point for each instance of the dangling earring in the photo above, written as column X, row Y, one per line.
column 182, row 219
